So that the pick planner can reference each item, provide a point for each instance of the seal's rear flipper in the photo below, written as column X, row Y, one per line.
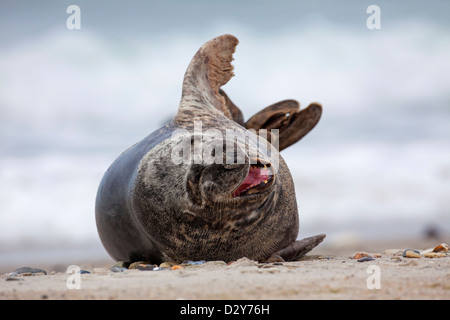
column 298, row 248
column 286, row 116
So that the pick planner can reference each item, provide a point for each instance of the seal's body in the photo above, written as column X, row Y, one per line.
column 177, row 196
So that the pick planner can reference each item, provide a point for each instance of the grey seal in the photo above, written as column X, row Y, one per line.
column 160, row 200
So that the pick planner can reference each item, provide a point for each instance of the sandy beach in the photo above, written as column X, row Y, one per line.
column 326, row 273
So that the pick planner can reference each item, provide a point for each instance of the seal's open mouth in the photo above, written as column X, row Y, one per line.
column 260, row 177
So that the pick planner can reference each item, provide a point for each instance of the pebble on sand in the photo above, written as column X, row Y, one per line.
column 411, row 253
column 121, row 264
column 441, row 247
column 434, row 255
column 365, row 259
column 28, row 271
column 145, row 267
column 117, row 269
column 194, row 263
column 167, row 264
column 177, row 267
column 135, row 264
column 360, row 255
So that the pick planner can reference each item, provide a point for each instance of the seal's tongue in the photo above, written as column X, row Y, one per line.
column 258, row 176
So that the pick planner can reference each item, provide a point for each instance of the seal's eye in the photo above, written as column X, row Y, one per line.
column 259, row 177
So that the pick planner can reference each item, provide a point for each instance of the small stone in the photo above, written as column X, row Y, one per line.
column 360, row 255
column 365, row 259
column 135, row 264
column 411, row 253
column 146, row 267
column 396, row 258
column 434, row 255
column 177, row 267
column 377, row 255
column 441, row 247
column 194, row 263
column 27, row 271
column 117, row 269
column 167, row 264
column 122, row 264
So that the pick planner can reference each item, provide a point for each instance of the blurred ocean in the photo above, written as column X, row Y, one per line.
column 377, row 166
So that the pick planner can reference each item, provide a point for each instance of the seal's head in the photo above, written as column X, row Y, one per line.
column 215, row 189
